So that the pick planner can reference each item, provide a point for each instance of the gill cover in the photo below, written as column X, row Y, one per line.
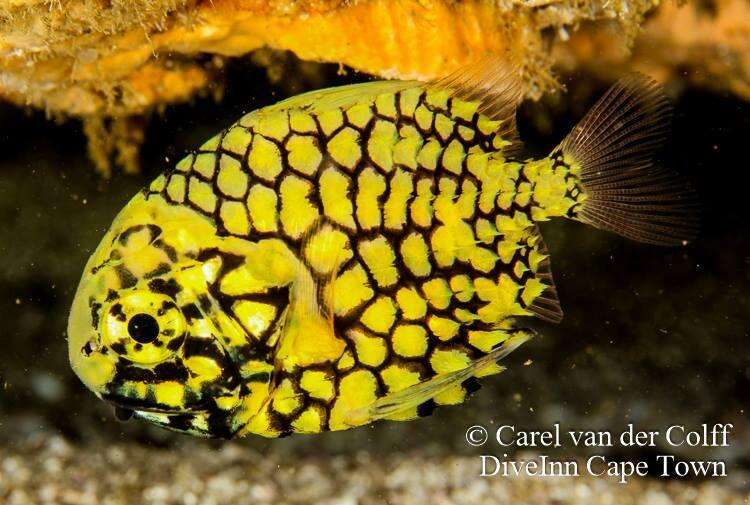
column 140, row 334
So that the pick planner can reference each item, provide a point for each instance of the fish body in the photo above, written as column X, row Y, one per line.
column 347, row 255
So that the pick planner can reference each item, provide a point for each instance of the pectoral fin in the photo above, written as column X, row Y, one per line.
column 309, row 336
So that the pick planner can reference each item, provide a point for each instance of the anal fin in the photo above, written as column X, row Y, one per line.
column 546, row 306
column 417, row 394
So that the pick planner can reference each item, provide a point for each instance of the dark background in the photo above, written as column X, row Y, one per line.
column 654, row 336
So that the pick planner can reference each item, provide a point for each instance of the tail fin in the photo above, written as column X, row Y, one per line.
column 625, row 192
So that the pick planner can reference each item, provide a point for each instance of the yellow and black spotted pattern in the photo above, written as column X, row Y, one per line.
column 429, row 247
column 354, row 254
column 154, row 350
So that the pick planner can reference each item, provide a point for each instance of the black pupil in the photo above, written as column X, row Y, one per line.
column 143, row 328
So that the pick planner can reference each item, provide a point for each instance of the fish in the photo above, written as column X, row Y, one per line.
column 359, row 253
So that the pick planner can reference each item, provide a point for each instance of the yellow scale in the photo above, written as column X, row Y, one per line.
column 355, row 253
column 398, row 159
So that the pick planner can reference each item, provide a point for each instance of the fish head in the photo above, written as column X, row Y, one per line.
column 137, row 334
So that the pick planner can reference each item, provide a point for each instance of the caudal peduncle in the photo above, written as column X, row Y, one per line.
column 545, row 188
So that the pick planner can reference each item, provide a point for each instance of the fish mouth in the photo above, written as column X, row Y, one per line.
column 174, row 419
column 125, row 407
column 123, row 414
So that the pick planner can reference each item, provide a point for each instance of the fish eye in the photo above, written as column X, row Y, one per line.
column 143, row 328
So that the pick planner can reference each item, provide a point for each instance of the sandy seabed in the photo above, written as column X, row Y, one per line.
column 49, row 469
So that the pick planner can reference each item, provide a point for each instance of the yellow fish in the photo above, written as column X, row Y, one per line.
column 353, row 254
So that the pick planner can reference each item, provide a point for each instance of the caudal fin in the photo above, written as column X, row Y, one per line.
column 626, row 192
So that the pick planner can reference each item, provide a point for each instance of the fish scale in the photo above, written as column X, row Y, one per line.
column 318, row 162
column 347, row 255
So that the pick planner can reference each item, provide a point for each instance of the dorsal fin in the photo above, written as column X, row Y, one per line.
column 321, row 100
column 495, row 82
column 546, row 306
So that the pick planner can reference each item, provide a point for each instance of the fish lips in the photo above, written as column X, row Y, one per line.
column 125, row 406
column 202, row 401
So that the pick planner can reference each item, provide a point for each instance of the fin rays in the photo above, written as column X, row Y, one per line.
column 626, row 193
column 423, row 391
column 546, row 306
column 494, row 82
